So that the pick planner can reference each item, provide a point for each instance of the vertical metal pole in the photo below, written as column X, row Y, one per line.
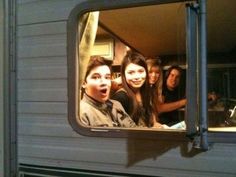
column 10, row 127
column 191, row 55
column 2, row 133
column 203, row 110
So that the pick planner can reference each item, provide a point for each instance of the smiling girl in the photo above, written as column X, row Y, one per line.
column 135, row 94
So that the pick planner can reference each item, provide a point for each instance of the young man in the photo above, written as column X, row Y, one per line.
column 172, row 94
column 96, row 109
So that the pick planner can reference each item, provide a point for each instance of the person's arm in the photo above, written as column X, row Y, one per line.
column 122, row 117
column 156, row 124
column 167, row 107
column 84, row 119
column 159, row 125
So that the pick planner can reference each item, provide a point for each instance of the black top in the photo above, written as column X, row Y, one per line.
column 123, row 98
column 139, row 116
column 172, row 117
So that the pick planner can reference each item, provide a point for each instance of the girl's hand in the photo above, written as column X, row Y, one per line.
column 157, row 125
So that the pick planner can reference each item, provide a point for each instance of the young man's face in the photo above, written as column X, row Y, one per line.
column 173, row 79
column 98, row 83
column 135, row 75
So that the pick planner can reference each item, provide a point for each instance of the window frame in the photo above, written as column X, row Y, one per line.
column 73, row 85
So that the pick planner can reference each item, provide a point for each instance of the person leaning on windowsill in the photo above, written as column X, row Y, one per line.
column 96, row 109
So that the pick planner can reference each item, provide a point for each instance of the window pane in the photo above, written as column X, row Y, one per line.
column 156, row 32
column 222, row 64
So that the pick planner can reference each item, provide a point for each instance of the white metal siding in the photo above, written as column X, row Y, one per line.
column 1, row 90
column 46, row 138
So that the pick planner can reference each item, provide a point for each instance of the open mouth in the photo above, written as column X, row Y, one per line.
column 103, row 91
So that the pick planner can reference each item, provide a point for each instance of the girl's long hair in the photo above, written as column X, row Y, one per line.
column 156, row 89
column 138, row 59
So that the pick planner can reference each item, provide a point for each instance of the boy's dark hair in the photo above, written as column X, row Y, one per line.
column 94, row 61
column 178, row 68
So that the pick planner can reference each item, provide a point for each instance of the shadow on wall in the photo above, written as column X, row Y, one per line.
column 139, row 150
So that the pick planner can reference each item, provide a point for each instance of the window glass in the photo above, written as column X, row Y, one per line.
column 221, row 77
column 156, row 32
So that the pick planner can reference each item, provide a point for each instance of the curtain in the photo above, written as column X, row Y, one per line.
column 87, row 29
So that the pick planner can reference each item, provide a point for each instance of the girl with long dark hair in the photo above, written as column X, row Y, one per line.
column 135, row 93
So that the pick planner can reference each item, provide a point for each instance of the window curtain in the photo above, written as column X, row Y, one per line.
column 87, row 27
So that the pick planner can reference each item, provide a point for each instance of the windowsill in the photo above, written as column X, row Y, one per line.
column 222, row 129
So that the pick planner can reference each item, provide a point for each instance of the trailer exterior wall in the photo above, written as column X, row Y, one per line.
column 46, row 139
column 1, row 91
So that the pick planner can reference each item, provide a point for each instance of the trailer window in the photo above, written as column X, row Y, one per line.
column 222, row 65
column 156, row 31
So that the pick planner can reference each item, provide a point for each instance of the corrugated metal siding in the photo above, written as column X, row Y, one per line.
column 44, row 135
column 42, row 82
column 46, row 11
column 1, row 89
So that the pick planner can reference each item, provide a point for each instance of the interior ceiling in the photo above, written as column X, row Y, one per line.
column 159, row 30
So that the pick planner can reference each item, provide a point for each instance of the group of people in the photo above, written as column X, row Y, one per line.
column 144, row 100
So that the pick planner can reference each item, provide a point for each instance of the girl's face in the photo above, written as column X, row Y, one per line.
column 98, row 83
column 154, row 74
column 135, row 75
